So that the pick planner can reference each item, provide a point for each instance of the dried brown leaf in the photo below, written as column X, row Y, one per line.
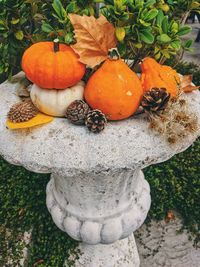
column 94, row 38
column 170, row 216
column 186, row 80
column 190, row 88
column 186, row 84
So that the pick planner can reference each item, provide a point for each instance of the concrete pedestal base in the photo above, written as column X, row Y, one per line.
column 99, row 207
column 121, row 253
column 101, row 210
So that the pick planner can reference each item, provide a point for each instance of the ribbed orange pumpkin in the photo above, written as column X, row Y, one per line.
column 114, row 89
column 156, row 75
column 52, row 65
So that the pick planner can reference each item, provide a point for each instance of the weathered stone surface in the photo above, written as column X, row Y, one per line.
column 122, row 253
column 162, row 245
column 62, row 147
column 100, row 208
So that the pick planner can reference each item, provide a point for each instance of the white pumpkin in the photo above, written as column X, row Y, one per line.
column 55, row 102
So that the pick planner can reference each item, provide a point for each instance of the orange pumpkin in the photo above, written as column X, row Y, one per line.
column 156, row 75
column 52, row 65
column 114, row 89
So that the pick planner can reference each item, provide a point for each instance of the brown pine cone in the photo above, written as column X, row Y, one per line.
column 23, row 111
column 77, row 111
column 95, row 121
column 155, row 100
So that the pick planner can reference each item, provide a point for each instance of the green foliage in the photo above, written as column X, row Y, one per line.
column 176, row 185
column 22, row 202
column 143, row 28
column 180, row 9
column 18, row 21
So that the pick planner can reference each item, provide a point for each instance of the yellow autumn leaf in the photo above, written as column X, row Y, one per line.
column 39, row 119
column 94, row 38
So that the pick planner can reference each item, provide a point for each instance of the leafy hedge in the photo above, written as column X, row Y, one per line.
column 143, row 27
column 175, row 185
column 22, row 202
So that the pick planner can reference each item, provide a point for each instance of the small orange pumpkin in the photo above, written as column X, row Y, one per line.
column 157, row 75
column 52, row 65
column 114, row 89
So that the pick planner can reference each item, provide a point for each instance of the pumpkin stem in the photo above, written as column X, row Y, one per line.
column 56, row 45
column 113, row 54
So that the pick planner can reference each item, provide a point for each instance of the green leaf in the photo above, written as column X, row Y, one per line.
column 119, row 5
column 14, row 21
column 157, row 56
column 124, row 17
column 144, row 23
column 71, row 8
column 195, row 5
column 163, row 38
column 188, row 43
column 59, row 9
column 176, row 44
column 159, row 18
column 2, row 22
column 139, row 4
column 156, row 49
column 165, row 53
column 174, row 27
column 150, row 14
column 122, row 48
column 138, row 45
column 149, row 3
column 69, row 38
column 23, row 20
column 189, row 50
column 165, row 25
column 19, row 35
column 184, row 30
column 146, row 36
column 47, row 28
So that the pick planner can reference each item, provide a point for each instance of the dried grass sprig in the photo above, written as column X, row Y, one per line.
column 176, row 122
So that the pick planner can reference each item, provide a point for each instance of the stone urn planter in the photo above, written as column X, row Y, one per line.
column 97, row 193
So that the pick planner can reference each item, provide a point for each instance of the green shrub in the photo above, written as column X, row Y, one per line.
column 23, row 207
column 143, row 28
column 175, row 185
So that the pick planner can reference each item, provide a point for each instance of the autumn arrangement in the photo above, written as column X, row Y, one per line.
column 89, row 84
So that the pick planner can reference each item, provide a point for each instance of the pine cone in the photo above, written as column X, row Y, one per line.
column 23, row 111
column 77, row 111
column 155, row 100
column 95, row 121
